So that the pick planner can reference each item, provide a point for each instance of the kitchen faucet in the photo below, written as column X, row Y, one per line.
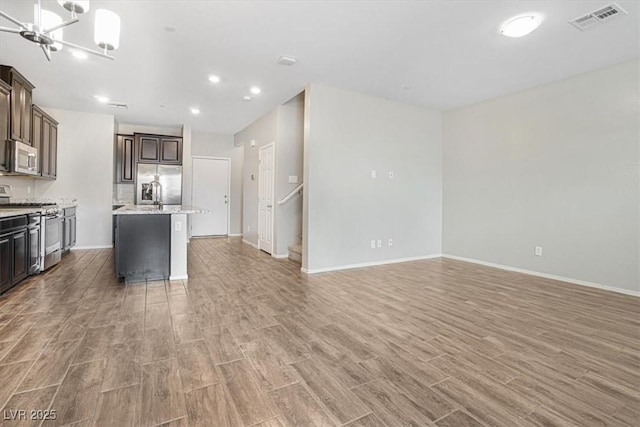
column 157, row 195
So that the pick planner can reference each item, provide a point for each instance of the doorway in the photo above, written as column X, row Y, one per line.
column 210, row 190
column 265, row 197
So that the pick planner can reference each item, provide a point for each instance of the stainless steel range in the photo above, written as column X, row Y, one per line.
column 49, row 250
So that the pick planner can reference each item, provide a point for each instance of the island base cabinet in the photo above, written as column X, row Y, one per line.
column 143, row 247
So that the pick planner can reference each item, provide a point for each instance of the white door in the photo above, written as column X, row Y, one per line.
column 265, row 198
column 210, row 191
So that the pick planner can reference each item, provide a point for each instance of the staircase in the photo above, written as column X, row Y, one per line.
column 295, row 253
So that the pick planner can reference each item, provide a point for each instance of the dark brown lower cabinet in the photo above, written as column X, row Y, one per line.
column 6, row 249
column 34, row 250
column 14, row 258
column 20, row 259
column 69, row 235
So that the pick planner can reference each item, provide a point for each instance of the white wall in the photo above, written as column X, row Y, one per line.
column 263, row 131
column 222, row 145
column 347, row 135
column 554, row 166
column 85, row 172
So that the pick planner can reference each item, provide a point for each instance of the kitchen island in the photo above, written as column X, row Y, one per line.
column 151, row 241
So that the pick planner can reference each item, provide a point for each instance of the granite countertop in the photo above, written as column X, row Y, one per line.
column 5, row 213
column 62, row 203
column 65, row 205
column 155, row 210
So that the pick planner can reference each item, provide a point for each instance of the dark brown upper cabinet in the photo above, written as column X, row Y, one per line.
column 125, row 158
column 159, row 149
column 171, row 151
column 45, row 139
column 20, row 104
column 5, row 120
column 148, row 148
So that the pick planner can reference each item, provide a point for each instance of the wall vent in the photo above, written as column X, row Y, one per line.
column 596, row 17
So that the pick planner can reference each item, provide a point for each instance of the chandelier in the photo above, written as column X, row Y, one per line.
column 47, row 28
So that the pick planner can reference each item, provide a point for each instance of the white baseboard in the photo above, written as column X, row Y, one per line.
column 249, row 243
column 368, row 264
column 181, row 277
column 235, row 235
column 545, row 275
column 280, row 256
column 82, row 248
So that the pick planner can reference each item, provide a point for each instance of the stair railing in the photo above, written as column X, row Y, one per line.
column 290, row 195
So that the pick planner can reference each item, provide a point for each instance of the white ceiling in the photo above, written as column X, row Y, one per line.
column 448, row 53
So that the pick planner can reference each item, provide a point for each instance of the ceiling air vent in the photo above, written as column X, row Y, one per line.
column 120, row 105
column 596, row 17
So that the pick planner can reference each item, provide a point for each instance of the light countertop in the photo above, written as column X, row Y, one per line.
column 62, row 203
column 5, row 213
column 155, row 210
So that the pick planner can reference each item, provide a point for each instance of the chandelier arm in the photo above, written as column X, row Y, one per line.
column 10, row 30
column 12, row 19
column 62, row 25
column 86, row 49
column 46, row 51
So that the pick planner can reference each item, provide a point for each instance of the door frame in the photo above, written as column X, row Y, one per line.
column 228, row 159
column 272, row 144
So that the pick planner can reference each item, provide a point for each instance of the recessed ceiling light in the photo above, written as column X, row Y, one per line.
column 101, row 99
column 214, row 79
column 79, row 54
column 246, row 98
column 195, row 110
column 255, row 90
column 521, row 25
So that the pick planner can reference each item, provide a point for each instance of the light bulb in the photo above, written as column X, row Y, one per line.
column 77, row 6
column 107, row 29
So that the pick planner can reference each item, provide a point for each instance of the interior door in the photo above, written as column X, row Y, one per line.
column 265, row 198
column 210, row 191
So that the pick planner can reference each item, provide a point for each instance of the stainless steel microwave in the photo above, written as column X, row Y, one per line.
column 24, row 158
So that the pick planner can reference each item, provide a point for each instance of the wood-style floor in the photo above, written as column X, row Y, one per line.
column 250, row 341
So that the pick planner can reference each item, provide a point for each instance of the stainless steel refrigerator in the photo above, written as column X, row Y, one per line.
column 170, row 178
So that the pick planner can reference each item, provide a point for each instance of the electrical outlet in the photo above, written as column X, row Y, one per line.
column 373, row 244
column 29, row 189
column 390, row 175
column 379, row 243
column 373, row 174
column 390, row 242
column 178, row 226
column 538, row 251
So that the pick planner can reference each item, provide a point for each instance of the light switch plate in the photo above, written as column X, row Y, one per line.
column 178, row 226
column 373, row 174
column 390, row 175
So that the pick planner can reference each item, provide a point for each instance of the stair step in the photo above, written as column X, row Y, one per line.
column 295, row 253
